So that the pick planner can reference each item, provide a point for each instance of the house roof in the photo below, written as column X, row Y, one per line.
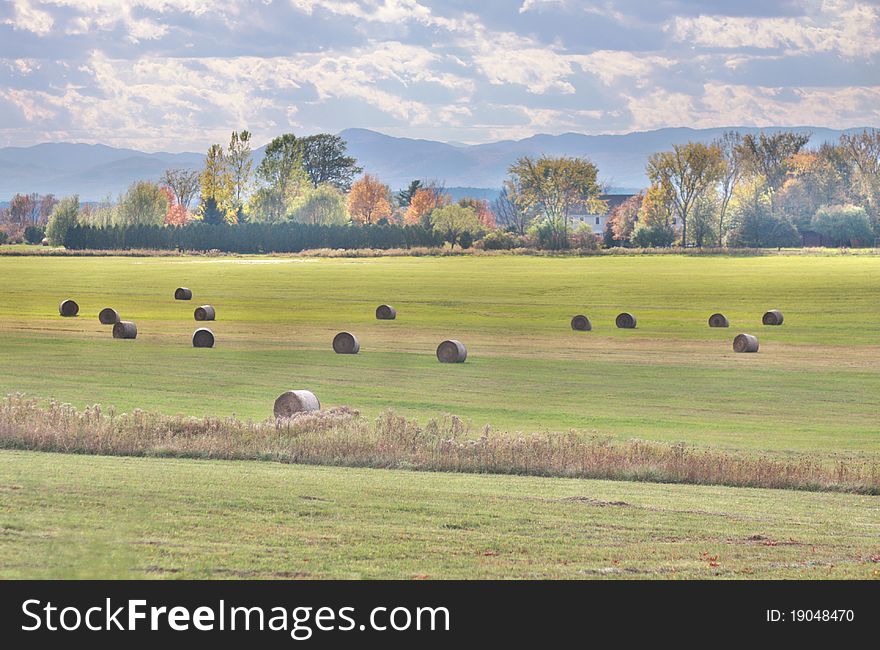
column 614, row 200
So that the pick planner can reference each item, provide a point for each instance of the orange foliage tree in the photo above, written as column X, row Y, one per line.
column 481, row 207
column 423, row 203
column 368, row 201
column 176, row 215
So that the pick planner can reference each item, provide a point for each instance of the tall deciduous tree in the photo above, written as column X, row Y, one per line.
column 508, row 212
column 215, row 183
column 323, row 205
column 862, row 150
column 730, row 146
column 143, row 204
column 240, row 164
column 554, row 188
column 769, row 156
column 62, row 219
column 324, row 159
column 369, row 201
column 686, row 172
column 184, row 185
column 283, row 179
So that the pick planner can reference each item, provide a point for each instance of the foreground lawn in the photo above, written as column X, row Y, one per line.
column 813, row 387
column 98, row 517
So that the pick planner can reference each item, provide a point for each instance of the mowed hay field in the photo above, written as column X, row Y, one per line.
column 73, row 516
column 813, row 387
column 813, row 391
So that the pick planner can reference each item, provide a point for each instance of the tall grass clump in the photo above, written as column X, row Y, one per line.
column 343, row 437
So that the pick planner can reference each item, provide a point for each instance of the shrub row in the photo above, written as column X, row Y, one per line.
column 287, row 237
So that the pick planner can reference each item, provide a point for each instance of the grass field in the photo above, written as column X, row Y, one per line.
column 814, row 386
column 812, row 392
column 91, row 516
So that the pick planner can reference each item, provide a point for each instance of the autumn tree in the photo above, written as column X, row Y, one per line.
column 23, row 210
column 176, row 214
column 184, row 185
column 369, row 201
column 862, row 151
column 481, row 208
column 423, row 203
column 624, row 216
column 215, row 188
column 754, row 223
column 454, row 221
column 554, row 188
column 769, row 156
column 685, row 173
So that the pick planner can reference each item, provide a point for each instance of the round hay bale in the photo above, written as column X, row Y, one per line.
column 581, row 323
column 203, row 338
column 745, row 343
column 386, row 312
column 68, row 308
column 205, row 312
column 108, row 316
column 625, row 321
column 296, row 401
column 346, row 343
column 772, row 317
column 451, row 351
column 718, row 320
column 124, row 329
column 182, row 293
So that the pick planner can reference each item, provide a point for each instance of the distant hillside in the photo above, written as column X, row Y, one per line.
column 95, row 171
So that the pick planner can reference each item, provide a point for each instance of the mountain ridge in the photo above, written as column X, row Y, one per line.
column 95, row 171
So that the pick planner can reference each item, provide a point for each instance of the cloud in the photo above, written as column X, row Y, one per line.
column 180, row 74
column 29, row 18
column 850, row 28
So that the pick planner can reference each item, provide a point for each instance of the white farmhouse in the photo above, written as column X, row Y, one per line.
column 598, row 220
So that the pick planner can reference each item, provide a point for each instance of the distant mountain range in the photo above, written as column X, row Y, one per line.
column 96, row 171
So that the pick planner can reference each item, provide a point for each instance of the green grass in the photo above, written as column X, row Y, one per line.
column 814, row 387
column 86, row 516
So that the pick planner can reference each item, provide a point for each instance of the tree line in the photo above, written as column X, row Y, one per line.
column 766, row 189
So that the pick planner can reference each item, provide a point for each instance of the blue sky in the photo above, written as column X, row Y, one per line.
column 180, row 74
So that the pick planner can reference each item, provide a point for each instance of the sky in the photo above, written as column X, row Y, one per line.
column 178, row 75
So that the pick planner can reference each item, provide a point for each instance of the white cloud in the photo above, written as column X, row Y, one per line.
column 739, row 105
column 156, row 73
column 28, row 18
column 850, row 28
column 612, row 65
